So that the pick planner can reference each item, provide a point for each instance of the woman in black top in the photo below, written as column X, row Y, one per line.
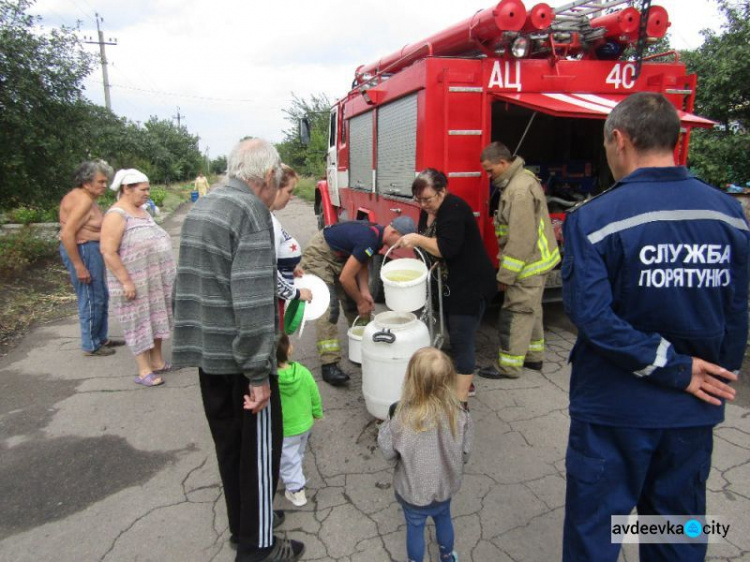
column 448, row 231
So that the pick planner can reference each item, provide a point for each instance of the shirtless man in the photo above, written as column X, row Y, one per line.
column 80, row 229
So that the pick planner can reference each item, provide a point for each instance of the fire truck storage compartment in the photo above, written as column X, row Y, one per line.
column 397, row 146
column 566, row 153
column 360, row 151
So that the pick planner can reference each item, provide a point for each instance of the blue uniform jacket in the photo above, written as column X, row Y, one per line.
column 655, row 271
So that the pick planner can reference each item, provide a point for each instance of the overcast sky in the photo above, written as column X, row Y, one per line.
column 231, row 67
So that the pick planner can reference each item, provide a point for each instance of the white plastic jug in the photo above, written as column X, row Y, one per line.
column 388, row 343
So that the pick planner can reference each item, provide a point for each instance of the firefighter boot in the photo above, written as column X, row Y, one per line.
column 333, row 375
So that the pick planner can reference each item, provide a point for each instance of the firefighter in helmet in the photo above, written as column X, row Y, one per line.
column 340, row 255
column 527, row 252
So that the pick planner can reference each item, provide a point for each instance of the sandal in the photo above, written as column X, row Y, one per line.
column 165, row 369
column 149, row 380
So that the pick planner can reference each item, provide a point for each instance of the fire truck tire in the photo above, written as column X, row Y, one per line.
column 321, row 221
column 376, row 284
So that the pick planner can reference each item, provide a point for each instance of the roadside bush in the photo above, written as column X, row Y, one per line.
column 23, row 215
column 19, row 250
column 305, row 189
column 158, row 194
column 106, row 200
column 29, row 215
column 50, row 215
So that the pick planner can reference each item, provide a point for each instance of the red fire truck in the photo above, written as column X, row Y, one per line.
column 541, row 80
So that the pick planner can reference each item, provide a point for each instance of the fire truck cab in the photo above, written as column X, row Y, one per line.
column 540, row 81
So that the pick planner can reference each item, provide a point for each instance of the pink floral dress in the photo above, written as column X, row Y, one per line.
column 146, row 252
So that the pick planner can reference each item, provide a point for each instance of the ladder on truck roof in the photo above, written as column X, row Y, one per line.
column 581, row 8
column 576, row 16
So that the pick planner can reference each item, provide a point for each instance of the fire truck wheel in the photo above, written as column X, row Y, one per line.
column 320, row 220
column 376, row 283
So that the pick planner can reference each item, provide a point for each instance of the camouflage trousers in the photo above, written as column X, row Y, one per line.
column 320, row 260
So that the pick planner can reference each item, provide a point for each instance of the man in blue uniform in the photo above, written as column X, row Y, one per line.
column 655, row 277
column 340, row 255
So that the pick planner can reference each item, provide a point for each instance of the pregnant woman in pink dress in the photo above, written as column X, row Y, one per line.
column 140, row 274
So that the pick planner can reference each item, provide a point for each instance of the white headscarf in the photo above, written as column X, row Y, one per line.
column 128, row 177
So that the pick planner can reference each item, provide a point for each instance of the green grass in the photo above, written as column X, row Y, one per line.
column 306, row 189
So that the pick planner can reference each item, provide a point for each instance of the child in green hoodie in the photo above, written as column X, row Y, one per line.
column 300, row 403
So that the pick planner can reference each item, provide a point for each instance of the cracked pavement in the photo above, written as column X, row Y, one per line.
column 96, row 468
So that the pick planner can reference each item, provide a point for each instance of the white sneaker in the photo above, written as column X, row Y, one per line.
column 298, row 498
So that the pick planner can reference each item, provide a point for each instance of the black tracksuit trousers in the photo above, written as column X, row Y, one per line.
column 248, row 450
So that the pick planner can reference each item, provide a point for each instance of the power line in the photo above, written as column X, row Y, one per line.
column 164, row 100
column 86, row 15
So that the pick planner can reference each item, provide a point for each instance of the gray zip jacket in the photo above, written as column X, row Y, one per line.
column 225, row 292
column 429, row 464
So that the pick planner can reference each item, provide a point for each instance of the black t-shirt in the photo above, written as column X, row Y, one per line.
column 471, row 276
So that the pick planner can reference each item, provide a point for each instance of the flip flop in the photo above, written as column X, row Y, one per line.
column 165, row 369
column 149, row 380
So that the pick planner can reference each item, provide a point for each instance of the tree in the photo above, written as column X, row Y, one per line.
column 173, row 152
column 722, row 64
column 40, row 84
column 307, row 160
column 218, row 165
column 48, row 128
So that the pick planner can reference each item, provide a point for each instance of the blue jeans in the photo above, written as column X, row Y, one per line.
column 93, row 298
column 416, row 517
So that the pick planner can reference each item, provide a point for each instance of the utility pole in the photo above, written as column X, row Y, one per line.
column 103, row 55
column 178, row 116
column 208, row 161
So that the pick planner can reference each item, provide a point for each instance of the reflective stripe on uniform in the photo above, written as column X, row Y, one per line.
column 660, row 216
column 501, row 230
column 659, row 361
column 506, row 360
column 328, row 346
column 512, row 264
column 536, row 345
column 548, row 259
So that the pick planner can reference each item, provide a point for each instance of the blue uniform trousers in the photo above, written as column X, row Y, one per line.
column 611, row 470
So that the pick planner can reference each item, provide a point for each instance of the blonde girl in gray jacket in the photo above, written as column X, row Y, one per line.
column 429, row 435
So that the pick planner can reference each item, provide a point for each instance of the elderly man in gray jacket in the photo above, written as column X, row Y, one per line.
column 225, row 324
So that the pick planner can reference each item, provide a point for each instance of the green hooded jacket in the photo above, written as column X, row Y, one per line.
column 300, row 399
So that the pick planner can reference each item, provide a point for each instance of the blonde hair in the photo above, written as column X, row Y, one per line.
column 429, row 391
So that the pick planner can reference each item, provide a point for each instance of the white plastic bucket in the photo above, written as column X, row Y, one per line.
column 355, row 334
column 405, row 284
column 388, row 343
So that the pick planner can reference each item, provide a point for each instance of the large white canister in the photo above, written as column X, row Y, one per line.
column 388, row 343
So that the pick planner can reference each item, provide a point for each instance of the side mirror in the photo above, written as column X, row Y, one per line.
column 304, row 131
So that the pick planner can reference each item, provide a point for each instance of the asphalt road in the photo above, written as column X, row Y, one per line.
column 96, row 468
